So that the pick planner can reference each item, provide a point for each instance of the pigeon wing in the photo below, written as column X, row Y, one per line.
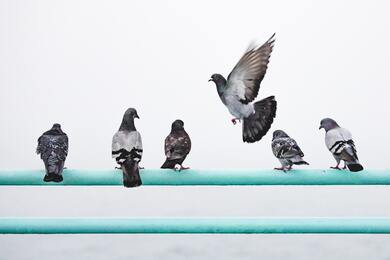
column 250, row 70
column 49, row 145
column 126, row 145
column 336, row 138
column 284, row 148
column 177, row 145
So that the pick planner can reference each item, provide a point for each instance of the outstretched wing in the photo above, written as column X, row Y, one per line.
column 250, row 70
column 177, row 145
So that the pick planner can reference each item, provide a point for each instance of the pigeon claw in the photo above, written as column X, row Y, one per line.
column 179, row 167
column 335, row 167
column 285, row 169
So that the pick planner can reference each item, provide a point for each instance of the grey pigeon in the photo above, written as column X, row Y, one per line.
column 177, row 147
column 339, row 142
column 127, row 149
column 241, row 88
column 53, row 148
column 286, row 150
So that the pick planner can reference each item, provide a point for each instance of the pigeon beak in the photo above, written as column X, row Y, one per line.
column 320, row 127
column 136, row 116
column 210, row 80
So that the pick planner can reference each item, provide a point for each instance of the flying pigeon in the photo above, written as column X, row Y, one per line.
column 339, row 142
column 177, row 147
column 286, row 150
column 53, row 148
column 241, row 88
column 127, row 149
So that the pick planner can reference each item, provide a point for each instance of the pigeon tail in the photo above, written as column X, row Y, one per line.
column 298, row 160
column 54, row 168
column 354, row 167
column 301, row 163
column 257, row 124
column 170, row 164
column 348, row 154
column 131, row 177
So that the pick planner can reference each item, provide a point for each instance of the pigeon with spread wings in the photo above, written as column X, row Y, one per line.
column 241, row 88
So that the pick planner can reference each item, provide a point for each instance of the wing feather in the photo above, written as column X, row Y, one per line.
column 250, row 70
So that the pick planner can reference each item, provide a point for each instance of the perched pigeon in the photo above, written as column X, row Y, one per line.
column 340, row 144
column 242, row 87
column 177, row 146
column 53, row 148
column 286, row 150
column 127, row 149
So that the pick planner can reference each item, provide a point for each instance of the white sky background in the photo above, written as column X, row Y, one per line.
column 83, row 63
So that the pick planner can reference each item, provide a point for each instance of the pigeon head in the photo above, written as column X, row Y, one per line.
column 279, row 134
column 177, row 125
column 218, row 79
column 328, row 124
column 55, row 129
column 56, row 126
column 128, row 119
column 131, row 113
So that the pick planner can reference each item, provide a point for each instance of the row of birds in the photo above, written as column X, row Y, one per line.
column 237, row 93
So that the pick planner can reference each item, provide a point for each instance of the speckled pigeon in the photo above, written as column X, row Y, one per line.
column 53, row 148
column 241, row 88
column 286, row 150
column 339, row 142
column 177, row 146
column 127, row 149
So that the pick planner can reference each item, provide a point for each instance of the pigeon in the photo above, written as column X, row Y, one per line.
column 241, row 88
column 177, row 147
column 339, row 142
column 127, row 149
column 53, row 148
column 286, row 150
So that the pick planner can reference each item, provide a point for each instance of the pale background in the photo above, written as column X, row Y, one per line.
column 83, row 63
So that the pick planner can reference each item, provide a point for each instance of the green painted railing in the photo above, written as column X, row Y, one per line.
column 204, row 177
column 198, row 225
column 194, row 225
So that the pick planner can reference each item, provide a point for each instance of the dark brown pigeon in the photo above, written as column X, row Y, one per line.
column 177, row 147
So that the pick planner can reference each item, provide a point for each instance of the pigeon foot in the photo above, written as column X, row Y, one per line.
column 179, row 167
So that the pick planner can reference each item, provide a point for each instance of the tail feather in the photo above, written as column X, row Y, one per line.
column 131, row 177
column 355, row 167
column 349, row 155
column 257, row 125
column 170, row 164
column 301, row 163
column 54, row 168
